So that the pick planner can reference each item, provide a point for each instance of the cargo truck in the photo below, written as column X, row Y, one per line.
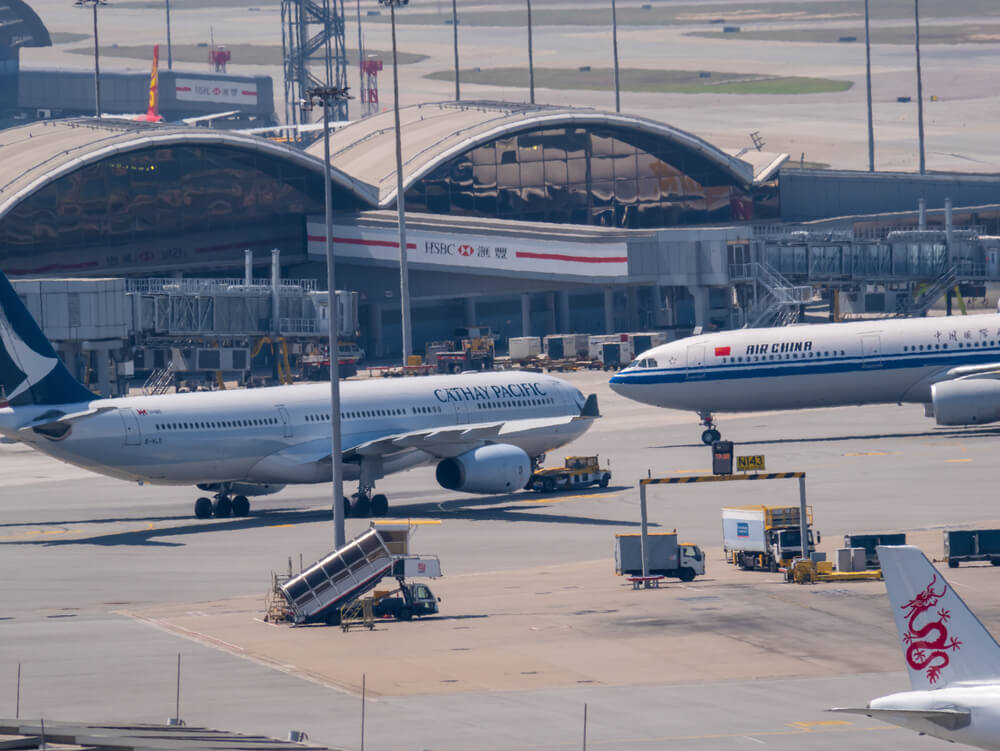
column 666, row 556
column 765, row 538
column 972, row 545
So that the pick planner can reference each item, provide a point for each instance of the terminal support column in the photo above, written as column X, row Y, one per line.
column 525, row 314
column 609, row 310
column 375, row 324
column 565, row 324
column 700, row 295
column 470, row 311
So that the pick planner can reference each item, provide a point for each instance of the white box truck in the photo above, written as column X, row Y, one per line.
column 666, row 556
column 764, row 537
column 523, row 348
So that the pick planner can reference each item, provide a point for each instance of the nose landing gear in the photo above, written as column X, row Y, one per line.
column 711, row 434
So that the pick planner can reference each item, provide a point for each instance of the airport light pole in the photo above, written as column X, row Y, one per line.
column 454, row 29
column 614, row 38
column 920, row 85
column 868, row 81
column 328, row 97
column 404, row 273
column 170, row 51
column 531, row 59
column 361, row 57
column 97, row 61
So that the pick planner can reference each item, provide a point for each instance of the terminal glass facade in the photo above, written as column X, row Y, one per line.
column 612, row 177
column 122, row 211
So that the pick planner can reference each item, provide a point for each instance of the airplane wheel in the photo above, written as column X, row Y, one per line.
column 710, row 436
column 380, row 505
column 241, row 506
column 203, row 508
column 222, row 507
column 362, row 507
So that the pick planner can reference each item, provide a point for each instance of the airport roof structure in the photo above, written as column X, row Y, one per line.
column 437, row 132
column 133, row 737
column 20, row 26
column 34, row 155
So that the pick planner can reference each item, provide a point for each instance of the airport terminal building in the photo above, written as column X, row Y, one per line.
column 529, row 219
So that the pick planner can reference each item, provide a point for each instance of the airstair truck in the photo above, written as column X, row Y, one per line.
column 315, row 595
column 765, row 538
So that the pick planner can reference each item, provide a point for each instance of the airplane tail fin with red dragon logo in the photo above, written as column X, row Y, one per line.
column 943, row 642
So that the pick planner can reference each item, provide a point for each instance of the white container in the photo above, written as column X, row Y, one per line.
column 522, row 348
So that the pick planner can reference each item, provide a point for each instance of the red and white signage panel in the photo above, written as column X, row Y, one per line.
column 461, row 252
column 221, row 91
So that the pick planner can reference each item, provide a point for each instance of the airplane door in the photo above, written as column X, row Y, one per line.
column 871, row 350
column 286, row 422
column 130, row 422
column 461, row 413
column 695, row 361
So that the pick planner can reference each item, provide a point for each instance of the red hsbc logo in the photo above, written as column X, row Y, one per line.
column 466, row 250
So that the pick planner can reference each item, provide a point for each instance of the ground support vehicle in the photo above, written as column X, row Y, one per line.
column 666, row 556
column 471, row 349
column 522, row 349
column 576, row 472
column 765, row 538
column 972, row 545
column 870, row 542
column 406, row 601
column 317, row 594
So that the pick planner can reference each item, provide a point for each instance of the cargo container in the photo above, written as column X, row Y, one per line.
column 566, row 346
column 646, row 340
column 522, row 348
column 870, row 542
column 666, row 556
column 972, row 545
column 764, row 537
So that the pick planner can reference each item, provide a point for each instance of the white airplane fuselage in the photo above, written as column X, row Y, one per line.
column 821, row 365
column 279, row 435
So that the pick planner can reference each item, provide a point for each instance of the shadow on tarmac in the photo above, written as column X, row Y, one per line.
column 950, row 434
column 471, row 509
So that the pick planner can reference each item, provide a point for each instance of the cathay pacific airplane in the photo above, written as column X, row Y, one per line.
column 951, row 365
column 483, row 431
column 953, row 662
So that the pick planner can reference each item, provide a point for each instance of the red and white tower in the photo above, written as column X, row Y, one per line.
column 369, row 96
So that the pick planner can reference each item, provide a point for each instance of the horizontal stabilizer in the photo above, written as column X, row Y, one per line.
column 590, row 408
column 949, row 719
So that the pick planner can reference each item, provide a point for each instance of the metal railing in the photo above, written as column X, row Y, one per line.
column 213, row 286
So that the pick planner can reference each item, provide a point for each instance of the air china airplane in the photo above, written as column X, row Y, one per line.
column 483, row 431
column 951, row 365
column 954, row 663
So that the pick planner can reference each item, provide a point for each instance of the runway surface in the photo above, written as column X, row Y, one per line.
column 104, row 583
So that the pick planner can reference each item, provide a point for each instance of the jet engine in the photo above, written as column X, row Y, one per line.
column 972, row 401
column 499, row 468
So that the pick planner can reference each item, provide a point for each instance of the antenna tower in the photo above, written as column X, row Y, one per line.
column 313, row 45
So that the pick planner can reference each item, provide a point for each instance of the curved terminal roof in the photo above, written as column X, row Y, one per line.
column 434, row 133
column 20, row 26
column 32, row 156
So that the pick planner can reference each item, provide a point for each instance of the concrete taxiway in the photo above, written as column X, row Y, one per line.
column 104, row 583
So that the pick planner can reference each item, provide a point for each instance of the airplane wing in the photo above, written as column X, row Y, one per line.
column 984, row 370
column 949, row 719
column 208, row 118
column 455, row 440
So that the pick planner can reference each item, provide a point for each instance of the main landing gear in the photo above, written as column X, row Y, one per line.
column 711, row 434
column 221, row 506
column 364, row 504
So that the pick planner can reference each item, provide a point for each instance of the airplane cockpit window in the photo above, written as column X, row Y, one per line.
column 651, row 363
column 634, row 364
